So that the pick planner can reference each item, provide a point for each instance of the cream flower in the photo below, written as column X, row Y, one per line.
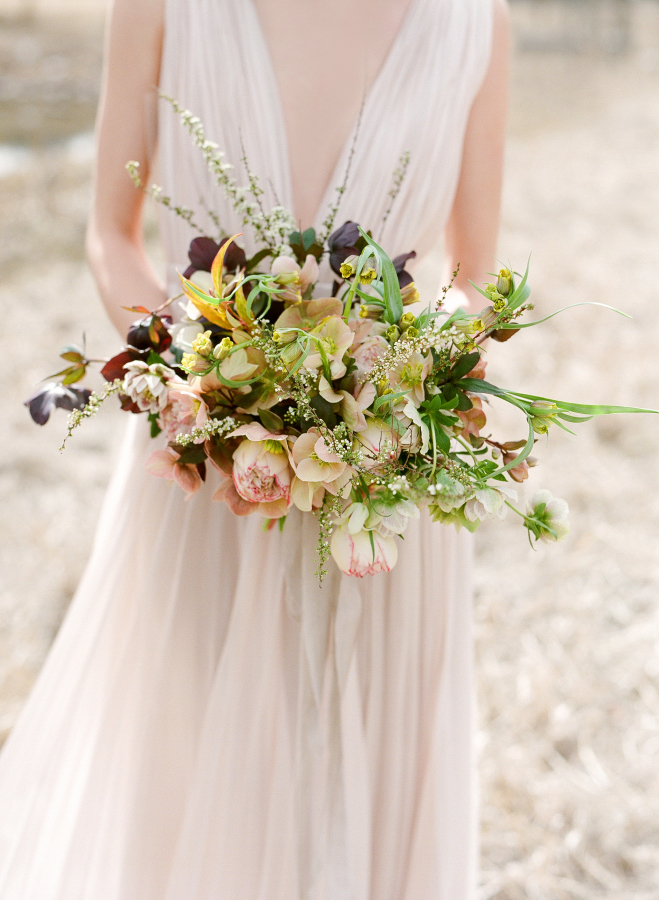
column 335, row 337
column 362, row 553
column 352, row 408
column 488, row 503
column 313, row 460
column 307, row 275
column 237, row 367
column 148, row 385
column 410, row 375
column 551, row 515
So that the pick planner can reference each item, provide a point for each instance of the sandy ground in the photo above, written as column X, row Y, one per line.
column 567, row 648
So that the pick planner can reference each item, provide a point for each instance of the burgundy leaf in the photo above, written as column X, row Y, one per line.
column 114, row 368
column 129, row 405
column 202, row 252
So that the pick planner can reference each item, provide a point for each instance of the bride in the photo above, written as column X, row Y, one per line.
column 209, row 725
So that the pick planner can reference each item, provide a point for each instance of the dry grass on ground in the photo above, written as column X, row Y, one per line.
column 568, row 654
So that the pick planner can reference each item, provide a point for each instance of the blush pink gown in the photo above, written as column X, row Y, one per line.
column 209, row 725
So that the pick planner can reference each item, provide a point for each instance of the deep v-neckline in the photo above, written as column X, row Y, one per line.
column 338, row 171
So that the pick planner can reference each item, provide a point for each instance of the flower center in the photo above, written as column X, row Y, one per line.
column 412, row 374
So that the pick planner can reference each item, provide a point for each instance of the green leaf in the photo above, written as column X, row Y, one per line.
column 464, row 365
column 72, row 356
column 153, row 359
column 271, row 420
column 192, row 454
column 75, row 373
column 522, row 292
column 308, row 238
column 516, row 326
column 324, row 410
column 155, row 428
column 393, row 302
column 386, row 399
column 253, row 261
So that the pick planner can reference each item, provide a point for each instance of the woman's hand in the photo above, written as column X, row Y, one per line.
column 471, row 235
column 126, row 129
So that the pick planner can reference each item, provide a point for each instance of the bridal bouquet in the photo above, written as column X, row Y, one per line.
column 355, row 407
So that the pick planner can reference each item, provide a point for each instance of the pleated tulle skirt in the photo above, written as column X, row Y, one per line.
column 211, row 726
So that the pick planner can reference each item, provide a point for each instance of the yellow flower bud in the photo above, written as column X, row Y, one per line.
column 392, row 333
column 406, row 320
column 370, row 312
column 412, row 332
column 409, row 294
column 348, row 266
column 222, row 349
column 368, row 275
column 203, row 345
column 505, row 282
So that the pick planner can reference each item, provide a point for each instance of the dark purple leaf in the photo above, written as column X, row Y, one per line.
column 234, row 258
column 54, row 395
column 202, row 252
column 345, row 236
column 404, row 277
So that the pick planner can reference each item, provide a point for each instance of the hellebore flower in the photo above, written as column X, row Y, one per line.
column 148, row 386
column 549, row 517
column 305, row 277
column 488, row 503
column 410, row 376
column 335, row 337
column 378, row 442
column 261, row 471
column 363, row 553
column 165, row 464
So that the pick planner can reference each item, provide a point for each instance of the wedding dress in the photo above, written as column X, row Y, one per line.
column 209, row 725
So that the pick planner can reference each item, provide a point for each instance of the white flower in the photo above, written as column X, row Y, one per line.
column 550, row 515
column 148, row 385
column 184, row 333
column 488, row 503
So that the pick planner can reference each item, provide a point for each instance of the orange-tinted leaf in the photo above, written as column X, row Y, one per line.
column 218, row 264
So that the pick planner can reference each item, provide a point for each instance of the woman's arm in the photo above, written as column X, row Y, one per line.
column 126, row 120
column 471, row 235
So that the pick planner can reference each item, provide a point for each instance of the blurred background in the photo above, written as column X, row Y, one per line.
column 568, row 636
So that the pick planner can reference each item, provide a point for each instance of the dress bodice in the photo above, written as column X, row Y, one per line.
column 419, row 103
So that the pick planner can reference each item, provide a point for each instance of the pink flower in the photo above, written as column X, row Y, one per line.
column 368, row 352
column 306, row 276
column 261, row 472
column 378, row 442
column 228, row 494
column 165, row 464
column 472, row 419
column 363, row 553
column 184, row 411
column 352, row 408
